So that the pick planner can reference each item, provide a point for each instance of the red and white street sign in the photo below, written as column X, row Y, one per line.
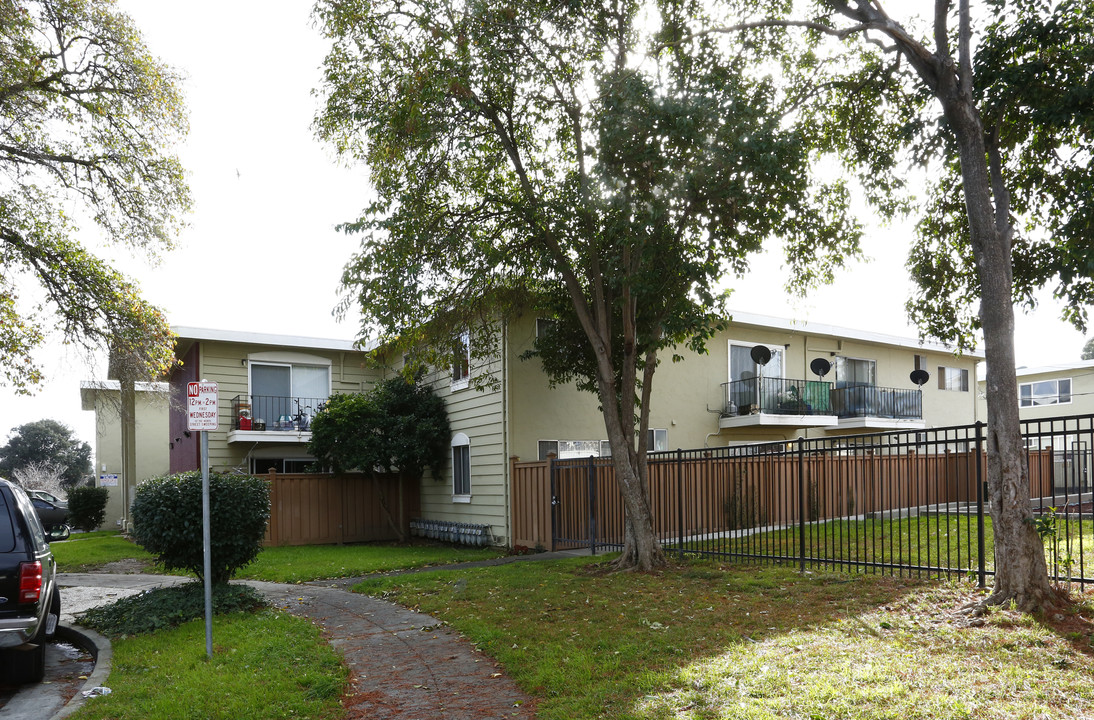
column 201, row 405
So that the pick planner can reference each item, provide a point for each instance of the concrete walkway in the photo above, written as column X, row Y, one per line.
column 403, row 665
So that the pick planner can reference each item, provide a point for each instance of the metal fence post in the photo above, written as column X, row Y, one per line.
column 981, row 563
column 802, row 504
column 680, row 502
column 592, row 506
column 554, row 503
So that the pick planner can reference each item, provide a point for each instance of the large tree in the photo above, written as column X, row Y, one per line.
column 46, row 443
column 87, row 122
column 534, row 155
column 998, row 105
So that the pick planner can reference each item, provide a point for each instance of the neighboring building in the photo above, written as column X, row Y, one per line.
column 1051, row 391
column 1055, row 391
column 104, row 397
column 270, row 386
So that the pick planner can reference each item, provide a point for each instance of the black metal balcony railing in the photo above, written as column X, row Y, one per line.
column 273, row 413
column 777, row 396
column 874, row 401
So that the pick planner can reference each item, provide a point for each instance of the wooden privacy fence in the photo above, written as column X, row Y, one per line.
column 320, row 509
column 697, row 493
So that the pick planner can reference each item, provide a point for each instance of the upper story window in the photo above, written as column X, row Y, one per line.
column 1045, row 392
column 855, row 372
column 950, row 378
column 287, row 391
column 461, row 361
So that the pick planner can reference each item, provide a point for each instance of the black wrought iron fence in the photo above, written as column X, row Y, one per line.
column 903, row 502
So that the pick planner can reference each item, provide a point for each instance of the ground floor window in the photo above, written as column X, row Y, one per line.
column 461, row 468
column 261, row 466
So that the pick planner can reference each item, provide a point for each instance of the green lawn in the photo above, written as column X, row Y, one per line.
column 315, row 562
column 265, row 665
column 706, row 641
column 928, row 541
column 89, row 552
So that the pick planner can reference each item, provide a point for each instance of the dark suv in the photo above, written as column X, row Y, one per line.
column 30, row 602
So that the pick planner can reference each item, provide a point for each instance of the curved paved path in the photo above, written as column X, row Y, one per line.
column 402, row 664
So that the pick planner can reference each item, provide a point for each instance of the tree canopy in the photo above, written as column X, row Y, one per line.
column 88, row 118
column 399, row 426
column 46, row 443
column 541, row 156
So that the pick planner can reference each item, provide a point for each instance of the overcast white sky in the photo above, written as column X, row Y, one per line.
column 261, row 252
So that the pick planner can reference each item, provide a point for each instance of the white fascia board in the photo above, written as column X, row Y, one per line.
column 811, row 328
column 1059, row 367
column 254, row 338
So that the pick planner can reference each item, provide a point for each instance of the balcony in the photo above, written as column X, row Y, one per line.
column 777, row 402
column 272, row 418
column 871, row 406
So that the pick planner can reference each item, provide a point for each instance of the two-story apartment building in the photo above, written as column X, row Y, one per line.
column 762, row 379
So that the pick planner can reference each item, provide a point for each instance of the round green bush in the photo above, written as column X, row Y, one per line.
column 87, row 507
column 167, row 521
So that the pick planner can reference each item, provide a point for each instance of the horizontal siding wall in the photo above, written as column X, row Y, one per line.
column 225, row 364
column 479, row 414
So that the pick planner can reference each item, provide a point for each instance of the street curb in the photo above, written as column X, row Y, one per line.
column 98, row 646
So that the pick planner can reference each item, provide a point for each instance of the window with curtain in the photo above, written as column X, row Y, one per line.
column 282, row 390
column 855, row 372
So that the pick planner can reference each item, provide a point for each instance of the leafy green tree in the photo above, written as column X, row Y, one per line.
column 1088, row 350
column 536, row 155
column 46, row 442
column 399, row 427
column 998, row 104
column 87, row 117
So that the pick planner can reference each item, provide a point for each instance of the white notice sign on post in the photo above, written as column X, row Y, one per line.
column 201, row 406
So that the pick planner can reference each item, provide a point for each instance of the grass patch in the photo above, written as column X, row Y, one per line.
column 933, row 540
column 706, row 641
column 265, row 665
column 167, row 607
column 86, row 552
column 89, row 552
column 317, row 562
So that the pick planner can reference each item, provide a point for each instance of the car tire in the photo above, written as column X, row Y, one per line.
column 37, row 658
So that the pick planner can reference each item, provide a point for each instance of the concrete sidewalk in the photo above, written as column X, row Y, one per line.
column 403, row 664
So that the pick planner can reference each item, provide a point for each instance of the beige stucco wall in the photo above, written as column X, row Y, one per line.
column 688, row 395
column 151, row 435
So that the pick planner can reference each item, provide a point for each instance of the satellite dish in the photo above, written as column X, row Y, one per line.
column 820, row 367
column 761, row 354
column 920, row 377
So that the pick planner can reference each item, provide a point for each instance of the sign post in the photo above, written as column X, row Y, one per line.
column 202, row 405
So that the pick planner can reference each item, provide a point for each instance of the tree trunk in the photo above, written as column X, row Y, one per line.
column 1021, row 574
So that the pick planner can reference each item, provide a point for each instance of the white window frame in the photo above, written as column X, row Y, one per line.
column 742, row 343
column 651, row 440
column 461, row 372
column 944, row 378
column 460, row 440
column 1022, row 400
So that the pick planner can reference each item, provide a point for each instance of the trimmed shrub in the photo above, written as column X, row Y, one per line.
column 87, row 507
column 167, row 521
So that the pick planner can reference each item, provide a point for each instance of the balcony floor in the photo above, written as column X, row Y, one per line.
column 871, row 422
column 778, row 420
column 269, row 436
